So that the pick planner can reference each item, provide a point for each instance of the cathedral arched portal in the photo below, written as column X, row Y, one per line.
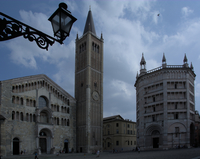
column 153, row 137
column 45, row 140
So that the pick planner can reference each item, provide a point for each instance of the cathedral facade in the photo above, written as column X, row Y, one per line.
column 165, row 104
column 37, row 115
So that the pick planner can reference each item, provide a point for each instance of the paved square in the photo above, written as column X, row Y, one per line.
column 193, row 153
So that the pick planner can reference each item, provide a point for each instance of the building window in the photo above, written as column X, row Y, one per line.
column 176, row 131
column 57, row 121
column 117, row 131
column 21, row 116
column 43, row 102
column 127, row 131
column 134, row 142
column 154, row 109
column 117, row 124
column 67, row 122
column 81, row 84
column 128, row 126
column 153, row 118
column 131, row 143
column 176, row 116
column 117, row 143
column 95, row 84
column 108, row 132
column 108, row 144
column 128, row 142
column 13, row 115
column 175, row 105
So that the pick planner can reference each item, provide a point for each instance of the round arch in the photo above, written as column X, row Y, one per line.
column 152, row 128
column 43, row 102
column 45, row 140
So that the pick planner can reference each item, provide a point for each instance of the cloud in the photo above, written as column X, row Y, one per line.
column 186, row 11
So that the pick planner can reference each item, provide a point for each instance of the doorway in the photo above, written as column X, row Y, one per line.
column 43, row 142
column 43, row 145
column 66, row 146
column 156, row 142
column 15, row 146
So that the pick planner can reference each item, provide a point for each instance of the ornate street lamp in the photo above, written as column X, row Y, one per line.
column 61, row 20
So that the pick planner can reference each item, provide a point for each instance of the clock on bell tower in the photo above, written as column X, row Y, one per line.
column 89, row 88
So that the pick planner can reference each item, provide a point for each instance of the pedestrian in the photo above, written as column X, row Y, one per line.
column 36, row 155
column 98, row 153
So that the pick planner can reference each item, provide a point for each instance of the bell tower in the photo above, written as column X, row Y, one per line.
column 89, row 88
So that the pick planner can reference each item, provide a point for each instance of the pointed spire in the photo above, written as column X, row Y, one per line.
column 164, row 64
column 137, row 75
column 142, row 65
column 142, row 62
column 191, row 66
column 163, row 59
column 77, row 36
column 185, row 59
column 89, row 25
column 101, row 35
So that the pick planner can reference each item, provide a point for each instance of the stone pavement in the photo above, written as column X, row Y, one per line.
column 193, row 153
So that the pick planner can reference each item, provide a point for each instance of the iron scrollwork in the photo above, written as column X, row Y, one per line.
column 12, row 28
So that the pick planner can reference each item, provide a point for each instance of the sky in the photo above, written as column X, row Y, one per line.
column 129, row 28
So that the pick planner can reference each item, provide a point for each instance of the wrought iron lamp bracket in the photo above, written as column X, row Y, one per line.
column 13, row 28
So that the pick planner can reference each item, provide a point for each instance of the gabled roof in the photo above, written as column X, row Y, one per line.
column 89, row 25
column 113, row 118
column 36, row 78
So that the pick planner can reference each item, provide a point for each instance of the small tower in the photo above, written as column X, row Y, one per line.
column 185, row 64
column 142, row 65
column 164, row 64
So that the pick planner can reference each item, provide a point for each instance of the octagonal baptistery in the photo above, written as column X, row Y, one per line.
column 165, row 105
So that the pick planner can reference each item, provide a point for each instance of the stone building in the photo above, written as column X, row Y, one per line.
column 197, row 129
column 38, row 115
column 165, row 105
column 118, row 134
column 89, row 88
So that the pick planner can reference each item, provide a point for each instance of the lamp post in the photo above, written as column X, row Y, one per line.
column 61, row 20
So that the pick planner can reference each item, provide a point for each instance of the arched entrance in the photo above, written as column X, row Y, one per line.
column 155, row 138
column 66, row 146
column 15, row 146
column 45, row 140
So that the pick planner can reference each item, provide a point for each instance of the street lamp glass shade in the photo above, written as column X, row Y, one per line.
column 62, row 21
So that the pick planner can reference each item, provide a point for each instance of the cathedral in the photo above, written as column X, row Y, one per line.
column 165, row 104
column 37, row 115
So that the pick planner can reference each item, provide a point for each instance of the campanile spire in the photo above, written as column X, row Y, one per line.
column 89, row 25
